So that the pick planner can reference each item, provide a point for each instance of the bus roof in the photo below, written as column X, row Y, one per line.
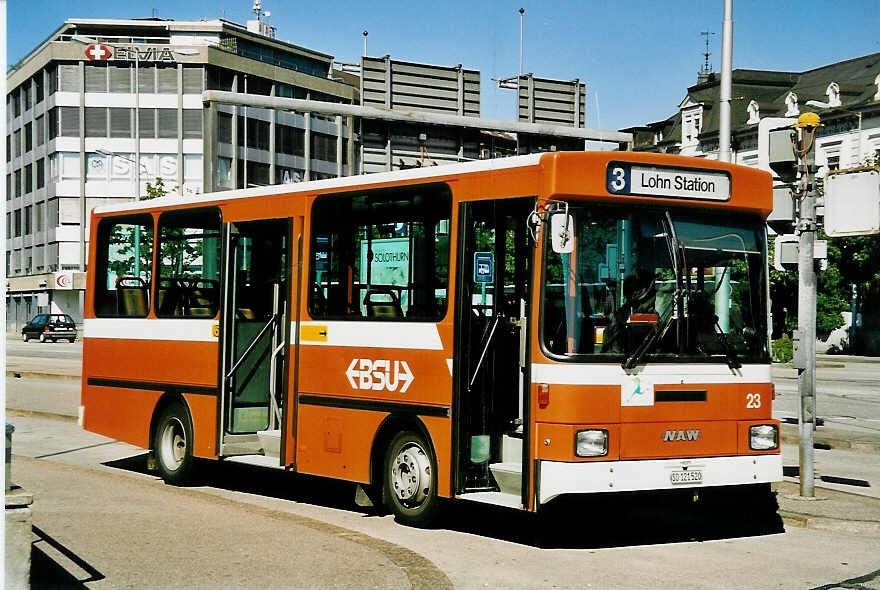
column 573, row 173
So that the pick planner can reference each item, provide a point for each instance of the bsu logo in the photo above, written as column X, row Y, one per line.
column 379, row 374
column 676, row 435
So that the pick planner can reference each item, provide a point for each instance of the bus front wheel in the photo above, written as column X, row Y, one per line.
column 410, row 483
column 173, row 445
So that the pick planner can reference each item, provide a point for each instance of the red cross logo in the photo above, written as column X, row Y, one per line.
column 98, row 52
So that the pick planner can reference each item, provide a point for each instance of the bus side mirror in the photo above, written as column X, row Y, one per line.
column 562, row 233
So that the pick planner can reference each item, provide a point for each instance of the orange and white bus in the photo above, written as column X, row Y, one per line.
column 506, row 331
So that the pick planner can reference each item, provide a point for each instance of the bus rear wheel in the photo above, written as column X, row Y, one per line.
column 409, row 487
column 172, row 445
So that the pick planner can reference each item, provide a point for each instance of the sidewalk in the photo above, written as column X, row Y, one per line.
column 830, row 510
column 80, row 513
column 34, row 367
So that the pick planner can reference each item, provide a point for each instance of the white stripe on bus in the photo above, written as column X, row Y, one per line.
column 370, row 334
column 658, row 374
column 178, row 329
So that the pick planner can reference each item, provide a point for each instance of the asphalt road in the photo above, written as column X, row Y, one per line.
column 103, row 521
column 244, row 527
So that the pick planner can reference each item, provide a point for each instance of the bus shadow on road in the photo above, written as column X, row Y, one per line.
column 597, row 522
column 568, row 522
column 272, row 483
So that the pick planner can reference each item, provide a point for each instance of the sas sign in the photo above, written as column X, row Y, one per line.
column 625, row 178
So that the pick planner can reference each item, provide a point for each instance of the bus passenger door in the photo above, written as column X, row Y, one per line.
column 254, row 337
column 492, row 307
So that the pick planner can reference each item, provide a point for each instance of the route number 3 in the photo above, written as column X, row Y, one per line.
column 618, row 179
column 753, row 400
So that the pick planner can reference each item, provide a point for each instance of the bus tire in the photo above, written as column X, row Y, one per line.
column 173, row 445
column 409, row 487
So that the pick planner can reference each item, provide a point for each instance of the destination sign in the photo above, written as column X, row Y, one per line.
column 626, row 178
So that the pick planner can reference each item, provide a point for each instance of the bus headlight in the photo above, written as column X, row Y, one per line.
column 591, row 443
column 763, row 437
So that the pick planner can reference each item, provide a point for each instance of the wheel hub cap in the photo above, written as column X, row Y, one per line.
column 173, row 444
column 411, row 475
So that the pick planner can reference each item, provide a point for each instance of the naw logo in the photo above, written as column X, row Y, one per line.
column 379, row 374
column 675, row 435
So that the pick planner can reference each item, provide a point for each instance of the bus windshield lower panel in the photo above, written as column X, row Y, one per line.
column 657, row 285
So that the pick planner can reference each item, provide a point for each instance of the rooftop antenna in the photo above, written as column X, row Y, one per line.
column 707, row 67
column 258, row 8
column 365, row 42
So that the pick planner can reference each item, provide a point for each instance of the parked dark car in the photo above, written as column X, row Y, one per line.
column 49, row 327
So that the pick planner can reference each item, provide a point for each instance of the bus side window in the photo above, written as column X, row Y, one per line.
column 125, row 266
column 189, row 264
column 381, row 255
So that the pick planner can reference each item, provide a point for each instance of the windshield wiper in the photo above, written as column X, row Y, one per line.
column 729, row 351
column 674, row 248
column 649, row 341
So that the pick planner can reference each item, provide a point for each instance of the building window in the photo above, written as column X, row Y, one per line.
column 146, row 79
column 17, row 224
column 323, row 147
column 224, row 127
column 193, row 80
column 38, row 217
column 28, row 178
column 8, row 148
column 38, row 87
column 834, row 162
column 17, row 143
column 28, row 218
column 69, row 122
column 290, row 140
column 96, row 122
column 220, row 79
column 120, row 122
column 40, row 123
column 52, row 77
column 41, row 173
column 192, row 123
column 8, row 190
column 166, row 79
column 167, row 123
column 16, row 103
column 120, row 79
column 69, row 78
column 18, row 182
column 28, row 137
column 258, row 134
column 147, row 123
column 27, row 94
column 96, row 77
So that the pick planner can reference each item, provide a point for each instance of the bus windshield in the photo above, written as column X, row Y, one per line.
column 657, row 284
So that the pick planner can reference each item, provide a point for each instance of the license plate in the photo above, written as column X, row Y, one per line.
column 689, row 476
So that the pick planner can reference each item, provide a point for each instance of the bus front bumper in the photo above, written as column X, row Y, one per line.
column 556, row 477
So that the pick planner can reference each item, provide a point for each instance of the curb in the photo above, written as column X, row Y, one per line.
column 826, row 523
column 18, row 374
column 862, row 446
column 40, row 414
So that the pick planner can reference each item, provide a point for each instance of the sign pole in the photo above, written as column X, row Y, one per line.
column 807, row 316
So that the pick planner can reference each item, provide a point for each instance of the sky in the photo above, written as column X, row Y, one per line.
column 637, row 57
